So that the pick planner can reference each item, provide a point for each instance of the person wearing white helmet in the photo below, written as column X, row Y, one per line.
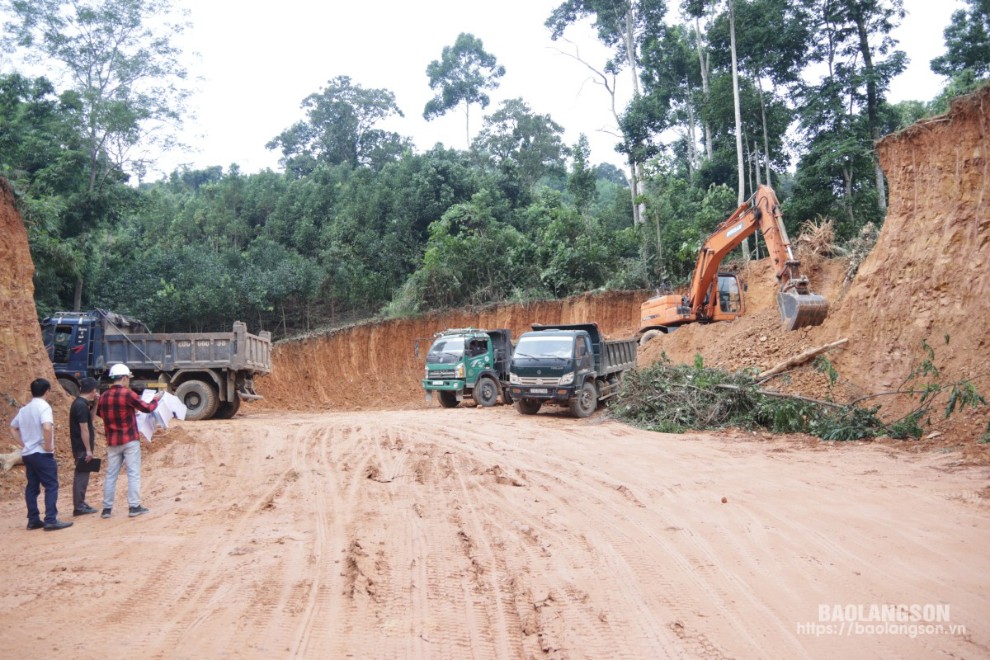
column 117, row 407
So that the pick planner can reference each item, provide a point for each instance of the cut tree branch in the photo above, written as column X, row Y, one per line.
column 797, row 360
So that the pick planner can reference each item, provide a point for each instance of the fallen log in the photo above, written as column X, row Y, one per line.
column 797, row 360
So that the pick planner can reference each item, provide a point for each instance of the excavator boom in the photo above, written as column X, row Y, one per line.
column 798, row 306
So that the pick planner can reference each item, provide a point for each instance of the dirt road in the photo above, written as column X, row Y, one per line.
column 482, row 533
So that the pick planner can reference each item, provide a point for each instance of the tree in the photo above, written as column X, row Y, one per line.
column 967, row 42
column 531, row 142
column 621, row 25
column 462, row 74
column 582, row 180
column 122, row 62
column 127, row 82
column 341, row 128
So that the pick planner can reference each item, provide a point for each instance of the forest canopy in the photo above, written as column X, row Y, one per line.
column 358, row 223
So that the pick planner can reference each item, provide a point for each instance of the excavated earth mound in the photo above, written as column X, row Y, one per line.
column 925, row 281
column 22, row 353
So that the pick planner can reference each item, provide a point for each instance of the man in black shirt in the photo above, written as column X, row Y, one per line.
column 83, row 442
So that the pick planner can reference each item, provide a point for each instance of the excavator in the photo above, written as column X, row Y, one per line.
column 717, row 296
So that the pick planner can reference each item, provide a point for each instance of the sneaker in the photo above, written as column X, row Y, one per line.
column 58, row 524
column 136, row 511
column 83, row 510
column 106, row 513
column 36, row 524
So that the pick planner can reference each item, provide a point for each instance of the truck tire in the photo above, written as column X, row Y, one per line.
column 485, row 392
column 199, row 398
column 647, row 336
column 585, row 400
column 506, row 397
column 69, row 386
column 528, row 406
column 227, row 409
column 447, row 399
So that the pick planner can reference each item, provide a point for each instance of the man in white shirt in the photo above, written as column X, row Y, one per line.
column 35, row 432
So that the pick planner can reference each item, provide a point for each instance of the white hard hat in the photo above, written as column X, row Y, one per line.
column 120, row 370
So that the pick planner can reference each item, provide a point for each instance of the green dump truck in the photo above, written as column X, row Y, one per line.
column 468, row 363
column 567, row 365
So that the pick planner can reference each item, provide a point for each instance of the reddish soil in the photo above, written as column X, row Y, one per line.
column 344, row 517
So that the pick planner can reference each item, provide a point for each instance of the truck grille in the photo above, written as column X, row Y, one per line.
column 538, row 380
column 441, row 373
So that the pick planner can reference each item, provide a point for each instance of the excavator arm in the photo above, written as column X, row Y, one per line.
column 797, row 305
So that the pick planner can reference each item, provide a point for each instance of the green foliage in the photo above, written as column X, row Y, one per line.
column 514, row 139
column 967, row 42
column 341, row 128
column 462, row 75
column 678, row 398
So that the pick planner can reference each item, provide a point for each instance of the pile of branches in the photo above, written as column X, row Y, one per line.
column 677, row 398
column 817, row 237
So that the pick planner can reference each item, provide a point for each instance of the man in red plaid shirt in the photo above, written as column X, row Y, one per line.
column 116, row 406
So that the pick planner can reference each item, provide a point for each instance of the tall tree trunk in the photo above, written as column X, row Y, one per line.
column 703, row 64
column 629, row 37
column 766, row 140
column 467, row 124
column 872, row 105
column 692, row 139
column 741, row 196
column 77, row 296
column 848, row 180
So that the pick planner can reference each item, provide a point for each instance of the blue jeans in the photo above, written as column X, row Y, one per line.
column 130, row 455
column 41, row 471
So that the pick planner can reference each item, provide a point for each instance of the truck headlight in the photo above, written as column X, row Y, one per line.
column 459, row 371
column 514, row 379
column 567, row 378
column 426, row 372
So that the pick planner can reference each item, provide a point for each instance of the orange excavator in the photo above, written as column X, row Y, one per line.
column 716, row 296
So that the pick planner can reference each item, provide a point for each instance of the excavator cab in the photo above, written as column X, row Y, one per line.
column 730, row 301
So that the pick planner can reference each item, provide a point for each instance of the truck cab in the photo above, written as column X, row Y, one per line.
column 74, row 343
column 468, row 362
column 567, row 365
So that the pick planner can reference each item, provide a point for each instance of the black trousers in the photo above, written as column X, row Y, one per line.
column 80, row 482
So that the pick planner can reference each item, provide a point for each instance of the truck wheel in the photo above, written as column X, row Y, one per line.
column 227, row 409
column 585, row 402
column 485, row 392
column 447, row 398
column 647, row 336
column 69, row 386
column 529, row 406
column 506, row 397
column 199, row 398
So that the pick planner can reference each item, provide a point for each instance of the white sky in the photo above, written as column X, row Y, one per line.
column 258, row 60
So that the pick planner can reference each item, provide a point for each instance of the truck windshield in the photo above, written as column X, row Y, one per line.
column 544, row 347
column 446, row 350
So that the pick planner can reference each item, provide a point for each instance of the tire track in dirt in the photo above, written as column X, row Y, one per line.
column 480, row 532
column 198, row 589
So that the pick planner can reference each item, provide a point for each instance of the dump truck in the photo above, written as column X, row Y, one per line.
column 468, row 363
column 717, row 296
column 211, row 372
column 570, row 365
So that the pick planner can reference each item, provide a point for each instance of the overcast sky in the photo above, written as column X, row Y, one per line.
column 258, row 60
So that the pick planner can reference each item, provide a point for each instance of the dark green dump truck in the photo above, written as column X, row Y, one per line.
column 468, row 363
column 567, row 365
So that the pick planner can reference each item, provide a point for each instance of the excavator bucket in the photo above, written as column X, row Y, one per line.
column 799, row 310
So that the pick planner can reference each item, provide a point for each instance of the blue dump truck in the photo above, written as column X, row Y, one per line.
column 468, row 362
column 211, row 372
column 567, row 365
